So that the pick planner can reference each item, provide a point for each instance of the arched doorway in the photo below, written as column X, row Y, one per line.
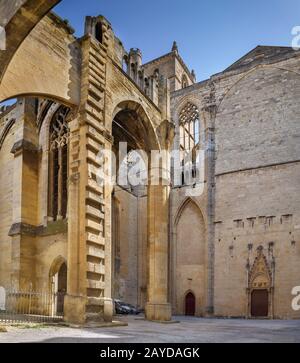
column 188, row 258
column 260, row 287
column 190, row 304
column 134, row 139
column 260, row 303
column 61, row 282
column 58, row 280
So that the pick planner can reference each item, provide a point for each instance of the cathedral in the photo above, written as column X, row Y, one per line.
column 218, row 235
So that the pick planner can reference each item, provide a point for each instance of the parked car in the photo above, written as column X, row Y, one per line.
column 125, row 309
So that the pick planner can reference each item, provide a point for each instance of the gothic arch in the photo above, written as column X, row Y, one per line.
column 260, row 287
column 193, row 99
column 22, row 17
column 260, row 276
column 6, row 131
column 182, row 208
column 183, row 261
column 56, row 265
column 190, row 297
column 146, row 123
column 258, row 67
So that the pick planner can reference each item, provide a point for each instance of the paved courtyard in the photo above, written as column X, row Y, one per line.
column 188, row 330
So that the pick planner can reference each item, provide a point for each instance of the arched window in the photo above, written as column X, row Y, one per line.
column 184, row 81
column 58, row 165
column 189, row 125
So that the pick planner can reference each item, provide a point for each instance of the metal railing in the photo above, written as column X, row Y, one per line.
column 18, row 307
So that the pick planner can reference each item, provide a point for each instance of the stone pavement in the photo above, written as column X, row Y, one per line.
column 189, row 330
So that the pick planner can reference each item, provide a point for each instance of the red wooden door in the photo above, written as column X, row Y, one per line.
column 190, row 304
column 260, row 303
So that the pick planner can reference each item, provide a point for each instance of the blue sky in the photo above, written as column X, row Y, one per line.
column 211, row 34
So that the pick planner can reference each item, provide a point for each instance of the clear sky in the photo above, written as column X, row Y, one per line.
column 211, row 34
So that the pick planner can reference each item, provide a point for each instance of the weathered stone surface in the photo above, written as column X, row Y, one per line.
column 149, row 245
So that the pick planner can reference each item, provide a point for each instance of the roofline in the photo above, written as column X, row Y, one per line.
column 252, row 50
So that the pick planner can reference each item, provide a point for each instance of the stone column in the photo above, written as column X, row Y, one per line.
column 158, row 307
column 76, row 298
column 89, row 216
column 25, row 201
column 210, row 115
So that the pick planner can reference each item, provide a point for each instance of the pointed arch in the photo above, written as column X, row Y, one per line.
column 245, row 75
column 6, row 131
column 56, row 265
column 148, row 128
column 260, row 276
column 182, row 208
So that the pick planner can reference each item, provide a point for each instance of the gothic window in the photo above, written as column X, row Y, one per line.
column 58, row 165
column 184, row 81
column 189, row 126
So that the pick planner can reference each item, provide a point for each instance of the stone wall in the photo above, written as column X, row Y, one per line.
column 256, row 198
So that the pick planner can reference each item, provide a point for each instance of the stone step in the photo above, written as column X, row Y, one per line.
column 94, row 186
column 98, row 125
column 94, row 197
column 94, row 133
column 94, row 89
column 94, row 225
column 95, row 238
column 97, row 114
column 99, row 84
column 92, row 284
column 96, row 268
column 97, row 68
column 94, row 145
column 97, row 48
column 94, row 212
column 96, row 57
column 95, row 251
column 97, row 76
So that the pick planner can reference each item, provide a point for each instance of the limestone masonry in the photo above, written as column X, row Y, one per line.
column 231, row 250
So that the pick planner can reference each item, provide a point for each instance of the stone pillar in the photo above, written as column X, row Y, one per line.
column 158, row 307
column 89, row 282
column 210, row 115
column 25, row 199
column 76, row 298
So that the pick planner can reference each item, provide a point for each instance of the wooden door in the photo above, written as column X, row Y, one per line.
column 190, row 304
column 260, row 303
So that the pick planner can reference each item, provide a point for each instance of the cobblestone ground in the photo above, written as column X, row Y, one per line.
column 188, row 330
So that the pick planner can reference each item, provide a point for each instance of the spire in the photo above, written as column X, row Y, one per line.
column 174, row 47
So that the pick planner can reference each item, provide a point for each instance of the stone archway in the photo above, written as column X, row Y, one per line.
column 190, row 304
column 23, row 69
column 260, row 289
column 131, row 125
column 58, row 285
column 189, row 269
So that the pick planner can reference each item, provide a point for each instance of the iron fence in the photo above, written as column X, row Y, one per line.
column 18, row 307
